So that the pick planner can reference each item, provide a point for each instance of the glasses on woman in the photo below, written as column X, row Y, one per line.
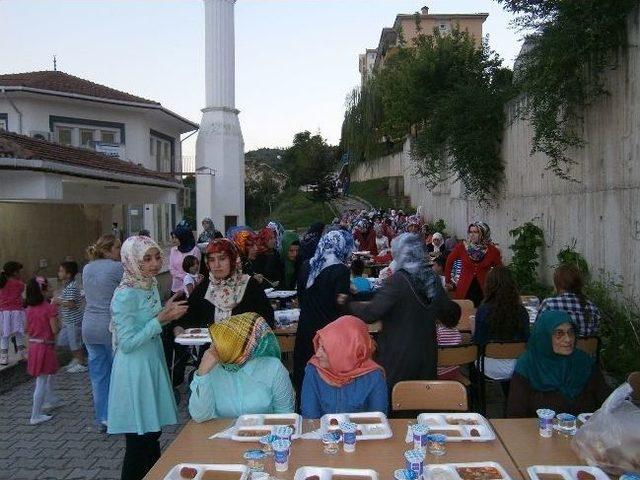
column 560, row 333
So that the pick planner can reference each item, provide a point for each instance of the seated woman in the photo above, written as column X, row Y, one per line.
column 553, row 374
column 341, row 377
column 569, row 283
column 500, row 318
column 241, row 372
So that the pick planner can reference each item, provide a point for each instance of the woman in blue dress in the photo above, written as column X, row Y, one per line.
column 141, row 400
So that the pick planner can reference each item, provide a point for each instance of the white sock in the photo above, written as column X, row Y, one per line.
column 38, row 396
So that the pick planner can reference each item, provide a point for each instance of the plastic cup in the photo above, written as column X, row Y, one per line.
column 281, row 450
column 437, row 444
column 566, row 424
column 266, row 442
column 255, row 459
column 330, row 443
column 283, row 432
column 419, row 432
column 414, row 461
column 545, row 422
column 348, row 436
column 404, row 474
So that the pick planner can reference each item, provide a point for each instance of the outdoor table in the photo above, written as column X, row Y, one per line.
column 526, row 447
column 385, row 456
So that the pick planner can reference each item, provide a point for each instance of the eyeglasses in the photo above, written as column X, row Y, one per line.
column 558, row 334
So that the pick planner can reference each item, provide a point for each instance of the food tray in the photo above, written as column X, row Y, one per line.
column 451, row 471
column 322, row 473
column 371, row 425
column 562, row 472
column 264, row 424
column 286, row 317
column 225, row 471
column 459, row 427
column 194, row 336
column 274, row 294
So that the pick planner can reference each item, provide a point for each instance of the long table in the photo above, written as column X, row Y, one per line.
column 526, row 447
column 193, row 446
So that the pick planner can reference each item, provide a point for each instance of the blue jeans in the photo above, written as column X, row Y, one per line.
column 100, row 360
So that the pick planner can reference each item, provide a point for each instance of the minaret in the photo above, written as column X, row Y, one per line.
column 220, row 147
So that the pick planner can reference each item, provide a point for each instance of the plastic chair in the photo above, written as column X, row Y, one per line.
column 457, row 355
column 497, row 350
column 429, row 395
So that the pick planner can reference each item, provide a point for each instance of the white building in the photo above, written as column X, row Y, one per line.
column 80, row 188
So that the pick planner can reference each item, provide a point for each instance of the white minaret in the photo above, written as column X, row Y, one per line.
column 220, row 147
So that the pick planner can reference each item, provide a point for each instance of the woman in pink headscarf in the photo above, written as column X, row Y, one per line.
column 342, row 376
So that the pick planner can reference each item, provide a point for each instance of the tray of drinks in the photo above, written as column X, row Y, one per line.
column 370, row 425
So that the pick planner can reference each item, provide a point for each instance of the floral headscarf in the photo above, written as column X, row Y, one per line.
column 132, row 253
column 278, row 229
column 334, row 248
column 408, row 252
column 241, row 338
column 226, row 293
column 477, row 251
column 242, row 240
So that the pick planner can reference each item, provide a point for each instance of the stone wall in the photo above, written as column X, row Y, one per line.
column 600, row 212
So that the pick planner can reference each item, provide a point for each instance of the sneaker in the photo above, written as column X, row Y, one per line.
column 71, row 364
column 77, row 368
column 4, row 358
column 40, row 419
column 102, row 427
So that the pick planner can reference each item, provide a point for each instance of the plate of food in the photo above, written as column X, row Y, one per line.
column 370, row 425
column 194, row 336
column 565, row 472
column 324, row 473
column 459, row 427
column 466, row 471
column 201, row 471
column 251, row 428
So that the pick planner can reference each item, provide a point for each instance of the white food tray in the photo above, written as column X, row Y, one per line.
column 445, row 423
column 265, row 423
column 242, row 470
column 373, row 425
column 285, row 317
column 194, row 336
column 448, row 471
column 328, row 473
column 281, row 294
column 566, row 472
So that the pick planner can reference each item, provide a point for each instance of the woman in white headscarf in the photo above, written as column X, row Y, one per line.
column 407, row 346
column 141, row 400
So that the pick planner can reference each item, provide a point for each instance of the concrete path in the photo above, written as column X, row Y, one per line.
column 346, row 203
column 66, row 447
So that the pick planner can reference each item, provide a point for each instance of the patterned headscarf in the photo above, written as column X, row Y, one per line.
column 241, row 338
column 409, row 254
column 183, row 233
column 242, row 240
column 477, row 251
column 209, row 232
column 279, row 231
column 263, row 237
column 334, row 248
column 132, row 253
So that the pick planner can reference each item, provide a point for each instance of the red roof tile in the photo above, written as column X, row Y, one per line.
column 20, row 146
column 63, row 82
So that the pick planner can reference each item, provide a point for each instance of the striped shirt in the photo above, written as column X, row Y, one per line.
column 71, row 315
column 447, row 337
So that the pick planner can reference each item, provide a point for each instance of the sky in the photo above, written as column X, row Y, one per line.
column 296, row 60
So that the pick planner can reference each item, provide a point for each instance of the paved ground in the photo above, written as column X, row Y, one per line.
column 66, row 447
column 348, row 202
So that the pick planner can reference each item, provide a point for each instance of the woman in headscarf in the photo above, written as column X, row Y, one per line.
column 241, row 372
column 553, row 373
column 365, row 237
column 436, row 247
column 289, row 253
column 141, row 401
column 184, row 244
column 226, row 291
column 407, row 346
column 477, row 256
column 342, row 377
column 309, row 242
column 247, row 244
column 209, row 231
column 268, row 264
column 321, row 280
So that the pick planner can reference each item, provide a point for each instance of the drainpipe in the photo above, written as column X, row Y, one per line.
column 4, row 92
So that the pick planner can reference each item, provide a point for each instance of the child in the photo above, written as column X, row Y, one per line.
column 191, row 265
column 448, row 316
column 11, row 311
column 438, row 267
column 359, row 284
column 69, row 302
column 42, row 326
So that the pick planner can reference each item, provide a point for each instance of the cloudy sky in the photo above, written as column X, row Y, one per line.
column 296, row 60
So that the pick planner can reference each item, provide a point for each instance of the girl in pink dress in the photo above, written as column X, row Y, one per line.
column 11, row 310
column 42, row 326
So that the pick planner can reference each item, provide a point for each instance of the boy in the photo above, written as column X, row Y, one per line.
column 69, row 302
column 359, row 284
column 448, row 316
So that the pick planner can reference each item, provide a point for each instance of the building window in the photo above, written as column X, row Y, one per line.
column 108, row 136
column 3, row 121
column 161, row 151
column 80, row 132
column 165, row 220
column 86, row 137
column 64, row 135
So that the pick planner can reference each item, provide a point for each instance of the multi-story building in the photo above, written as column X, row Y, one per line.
column 78, row 157
column 410, row 26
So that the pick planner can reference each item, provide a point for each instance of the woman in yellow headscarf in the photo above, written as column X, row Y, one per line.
column 241, row 373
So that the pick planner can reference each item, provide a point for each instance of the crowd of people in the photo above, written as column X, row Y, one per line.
column 218, row 283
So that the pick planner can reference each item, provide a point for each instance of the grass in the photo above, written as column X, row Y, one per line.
column 376, row 192
column 296, row 211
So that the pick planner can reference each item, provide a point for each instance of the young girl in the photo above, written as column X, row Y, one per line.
column 11, row 310
column 42, row 326
column 448, row 317
column 191, row 266
column 69, row 301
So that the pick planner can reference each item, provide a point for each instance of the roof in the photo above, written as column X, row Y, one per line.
column 57, row 81
column 13, row 145
column 460, row 16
